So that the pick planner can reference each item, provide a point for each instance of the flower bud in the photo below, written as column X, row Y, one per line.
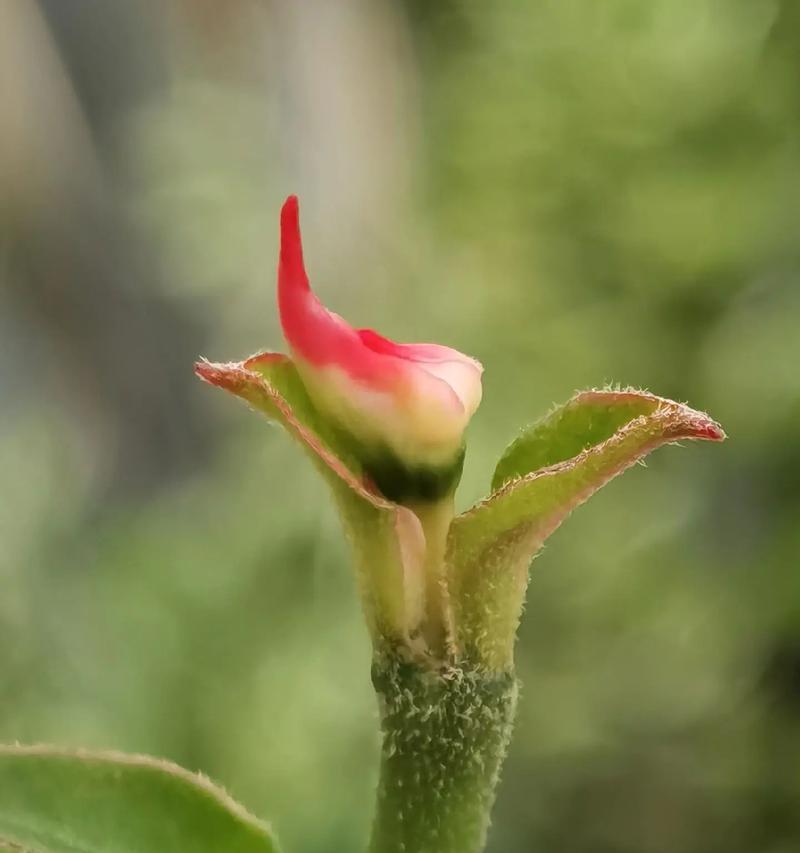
column 404, row 406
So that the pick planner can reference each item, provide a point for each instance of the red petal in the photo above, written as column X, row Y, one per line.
column 377, row 343
column 315, row 334
column 321, row 338
column 423, row 353
column 291, row 268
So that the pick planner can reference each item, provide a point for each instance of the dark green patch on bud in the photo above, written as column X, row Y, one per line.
column 403, row 483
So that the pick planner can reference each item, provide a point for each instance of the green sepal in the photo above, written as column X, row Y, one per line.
column 588, row 419
column 551, row 468
column 57, row 801
column 386, row 538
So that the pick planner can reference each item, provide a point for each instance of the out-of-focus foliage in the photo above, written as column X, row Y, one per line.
column 576, row 192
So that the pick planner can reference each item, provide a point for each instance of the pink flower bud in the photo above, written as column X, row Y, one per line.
column 408, row 402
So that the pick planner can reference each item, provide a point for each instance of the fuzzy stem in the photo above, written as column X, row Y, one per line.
column 444, row 739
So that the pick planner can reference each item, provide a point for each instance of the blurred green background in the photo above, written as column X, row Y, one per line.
column 574, row 191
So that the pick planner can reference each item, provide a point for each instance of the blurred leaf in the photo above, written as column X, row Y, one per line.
column 553, row 467
column 387, row 539
column 53, row 801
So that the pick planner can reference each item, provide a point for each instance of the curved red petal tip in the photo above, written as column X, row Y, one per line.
column 291, row 270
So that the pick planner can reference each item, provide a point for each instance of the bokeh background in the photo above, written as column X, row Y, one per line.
column 576, row 192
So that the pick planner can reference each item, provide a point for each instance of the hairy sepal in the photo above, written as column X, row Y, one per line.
column 386, row 538
column 549, row 470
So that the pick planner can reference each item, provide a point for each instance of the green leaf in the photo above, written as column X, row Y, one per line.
column 54, row 801
column 551, row 468
column 387, row 539
column 586, row 420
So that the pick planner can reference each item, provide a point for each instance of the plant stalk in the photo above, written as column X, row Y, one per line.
column 445, row 734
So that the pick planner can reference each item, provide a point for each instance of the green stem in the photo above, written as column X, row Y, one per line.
column 444, row 739
column 435, row 518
